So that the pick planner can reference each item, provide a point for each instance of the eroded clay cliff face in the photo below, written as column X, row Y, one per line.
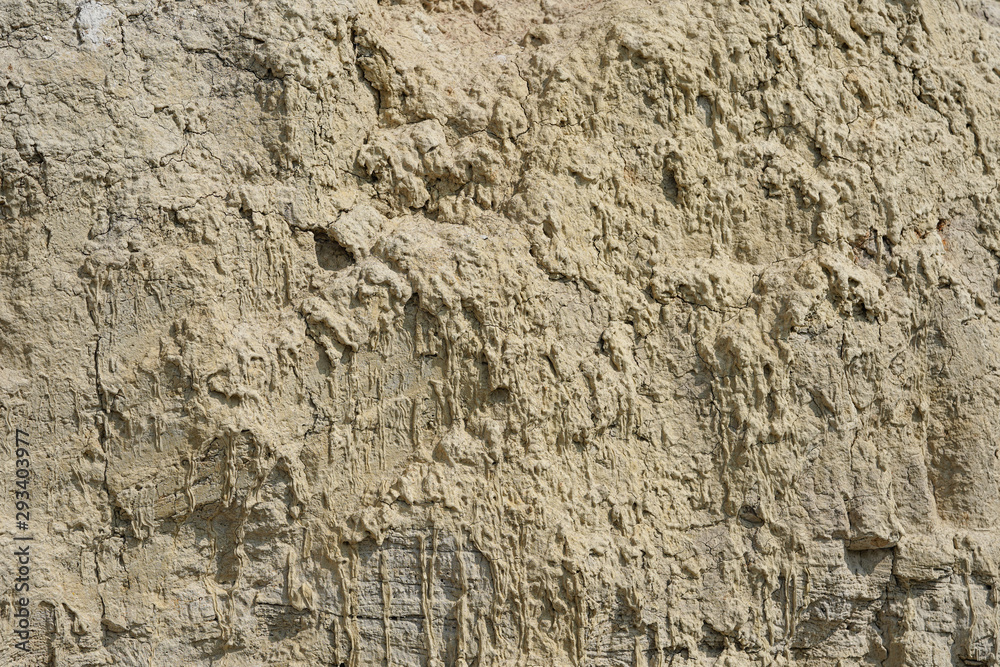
column 496, row 332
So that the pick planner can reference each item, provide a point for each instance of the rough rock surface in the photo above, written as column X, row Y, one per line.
column 490, row 332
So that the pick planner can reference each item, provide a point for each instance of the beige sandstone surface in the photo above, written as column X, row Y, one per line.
column 487, row 332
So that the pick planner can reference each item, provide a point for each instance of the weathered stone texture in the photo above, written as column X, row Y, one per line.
column 498, row 332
